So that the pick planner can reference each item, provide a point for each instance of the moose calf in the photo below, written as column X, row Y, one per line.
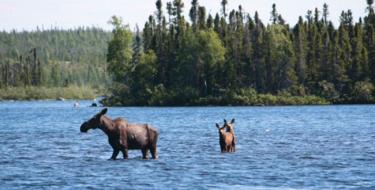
column 227, row 139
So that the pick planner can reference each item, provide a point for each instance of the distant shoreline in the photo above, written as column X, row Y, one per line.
column 72, row 93
column 173, row 106
column 257, row 101
column 48, row 93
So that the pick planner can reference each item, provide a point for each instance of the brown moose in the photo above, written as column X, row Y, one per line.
column 227, row 138
column 230, row 129
column 123, row 136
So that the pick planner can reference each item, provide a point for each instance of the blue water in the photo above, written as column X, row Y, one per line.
column 306, row 147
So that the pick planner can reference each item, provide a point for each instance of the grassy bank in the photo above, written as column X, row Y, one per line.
column 39, row 93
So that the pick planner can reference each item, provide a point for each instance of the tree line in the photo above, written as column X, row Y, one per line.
column 227, row 57
column 26, row 71
column 53, row 58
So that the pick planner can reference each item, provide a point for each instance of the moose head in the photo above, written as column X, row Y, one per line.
column 94, row 122
column 229, row 126
column 221, row 129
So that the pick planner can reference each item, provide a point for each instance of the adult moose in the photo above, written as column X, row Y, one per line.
column 124, row 136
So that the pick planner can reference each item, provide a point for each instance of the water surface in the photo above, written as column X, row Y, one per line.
column 305, row 147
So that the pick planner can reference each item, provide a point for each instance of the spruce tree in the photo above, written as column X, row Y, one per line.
column 224, row 7
column 194, row 13
column 201, row 18
column 300, row 45
column 325, row 14
column 260, row 50
column 210, row 21
column 274, row 15
column 137, row 47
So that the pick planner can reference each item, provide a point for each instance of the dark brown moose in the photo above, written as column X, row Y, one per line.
column 123, row 136
column 227, row 138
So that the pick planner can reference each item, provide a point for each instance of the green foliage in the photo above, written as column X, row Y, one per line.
column 143, row 77
column 119, row 54
column 53, row 57
column 234, row 59
column 159, row 94
column 363, row 91
column 211, row 52
column 281, row 58
column 327, row 90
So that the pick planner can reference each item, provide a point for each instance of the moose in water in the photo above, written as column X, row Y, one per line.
column 227, row 138
column 124, row 136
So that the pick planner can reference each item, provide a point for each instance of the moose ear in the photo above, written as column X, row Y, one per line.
column 232, row 121
column 104, row 111
column 225, row 121
column 217, row 125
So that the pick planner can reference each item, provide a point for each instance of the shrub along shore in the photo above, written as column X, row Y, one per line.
column 247, row 97
column 41, row 93
column 260, row 100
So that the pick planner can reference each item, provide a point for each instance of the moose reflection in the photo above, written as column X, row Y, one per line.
column 124, row 136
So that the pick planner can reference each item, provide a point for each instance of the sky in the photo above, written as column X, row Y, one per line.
column 28, row 14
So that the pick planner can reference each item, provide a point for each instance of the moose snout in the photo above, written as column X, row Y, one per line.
column 84, row 127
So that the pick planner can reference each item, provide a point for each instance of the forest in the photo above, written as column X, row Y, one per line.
column 227, row 58
column 52, row 59
column 234, row 58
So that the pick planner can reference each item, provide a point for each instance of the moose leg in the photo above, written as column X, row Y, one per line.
column 227, row 148
column 115, row 153
column 145, row 153
column 234, row 145
column 125, row 153
column 154, row 152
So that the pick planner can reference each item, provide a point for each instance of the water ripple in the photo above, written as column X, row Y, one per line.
column 308, row 147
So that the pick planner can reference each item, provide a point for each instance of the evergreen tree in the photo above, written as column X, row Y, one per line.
column 224, row 7
column 249, row 67
column 159, row 12
column 370, row 39
column 280, row 72
column 358, row 65
column 201, row 18
column 217, row 24
column 194, row 13
column 343, row 59
column 326, row 53
column 137, row 47
column 300, row 45
column 259, row 46
column 210, row 22
column 274, row 15
column 325, row 14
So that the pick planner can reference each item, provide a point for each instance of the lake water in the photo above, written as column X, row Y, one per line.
column 305, row 147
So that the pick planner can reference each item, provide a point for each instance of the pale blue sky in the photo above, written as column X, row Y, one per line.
column 28, row 14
